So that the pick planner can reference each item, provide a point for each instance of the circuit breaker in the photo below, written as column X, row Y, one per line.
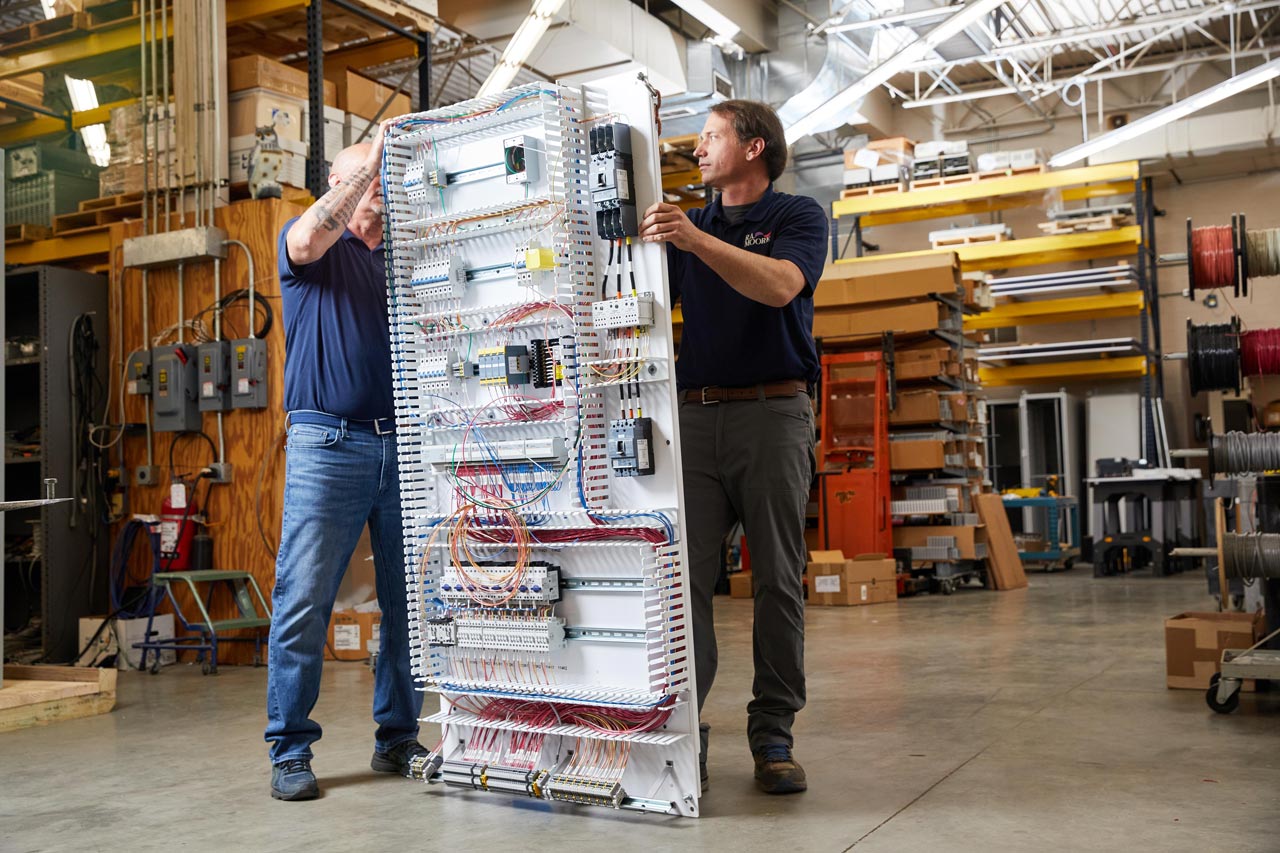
column 173, row 389
column 249, row 373
column 213, row 367
column 613, row 181
column 631, row 447
column 138, row 372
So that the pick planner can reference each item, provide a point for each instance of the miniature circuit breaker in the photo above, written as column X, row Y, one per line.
column 539, row 462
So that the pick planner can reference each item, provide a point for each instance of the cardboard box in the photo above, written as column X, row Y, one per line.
column 929, row 406
column 896, row 150
column 837, row 582
column 967, row 538
column 1194, row 642
column 917, row 455
column 126, row 632
column 256, row 108
column 293, row 170
column 351, row 633
column 900, row 318
column 259, row 72
column 363, row 97
column 887, row 280
column 740, row 585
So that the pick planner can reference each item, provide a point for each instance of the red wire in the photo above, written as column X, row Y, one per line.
column 1260, row 352
column 1213, row 258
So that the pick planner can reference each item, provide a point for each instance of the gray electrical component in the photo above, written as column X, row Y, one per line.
column 631, row 447
column 249, row 373
column 138, row 372
column 173, row 389
column 213, row 368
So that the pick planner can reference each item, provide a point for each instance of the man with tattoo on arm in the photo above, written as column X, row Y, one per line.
column 340, row 471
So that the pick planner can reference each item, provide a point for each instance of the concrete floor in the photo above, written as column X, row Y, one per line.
column 1032, row 720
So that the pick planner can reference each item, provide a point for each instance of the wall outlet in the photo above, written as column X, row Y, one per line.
column 146, row 475
column 221, row 472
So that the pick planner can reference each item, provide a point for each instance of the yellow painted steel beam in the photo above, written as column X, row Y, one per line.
column 1013, row 185
column 1031, row 251
column 125, row 35
column 40, row 126
column 997, row 203
column 1096, row 307
column 675, row 180
column 59, row 249
column 1127, row 367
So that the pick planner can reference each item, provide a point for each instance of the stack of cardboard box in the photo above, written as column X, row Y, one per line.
column 880, row 162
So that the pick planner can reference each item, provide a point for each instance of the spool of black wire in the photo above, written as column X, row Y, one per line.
column 1213, row 356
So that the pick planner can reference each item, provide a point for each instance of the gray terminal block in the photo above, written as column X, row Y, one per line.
column 173, row 389
column 249, row 373
column 213, row 374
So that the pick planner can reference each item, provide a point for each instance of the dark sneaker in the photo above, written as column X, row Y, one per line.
column 396, row 759
column 706, row 777
column 777, row 771
column 293, row 780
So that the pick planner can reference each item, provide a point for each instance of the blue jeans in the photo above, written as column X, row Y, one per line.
column 336, row 479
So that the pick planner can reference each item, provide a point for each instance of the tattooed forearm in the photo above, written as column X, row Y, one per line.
column 334, row 209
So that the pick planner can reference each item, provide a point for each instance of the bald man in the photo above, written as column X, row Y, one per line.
column 340, row 471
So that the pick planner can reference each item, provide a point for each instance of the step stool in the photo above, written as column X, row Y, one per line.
column 211, row 631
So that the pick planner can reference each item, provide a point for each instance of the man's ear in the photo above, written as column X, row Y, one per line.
column 755, row 148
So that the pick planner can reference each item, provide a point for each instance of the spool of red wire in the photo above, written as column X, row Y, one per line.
column 1213, row 257
column 1260, row 352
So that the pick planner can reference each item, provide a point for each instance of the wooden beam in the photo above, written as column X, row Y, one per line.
column 368, row 54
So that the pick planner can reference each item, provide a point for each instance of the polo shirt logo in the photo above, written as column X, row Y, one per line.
column 759, row 238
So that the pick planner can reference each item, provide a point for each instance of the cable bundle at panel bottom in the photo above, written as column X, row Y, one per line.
column 1244, row 452
column 1246, row 556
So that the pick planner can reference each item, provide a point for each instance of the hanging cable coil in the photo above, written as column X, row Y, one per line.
column 1262, row 250
column 1244, row 452
column 1213, row 356
column 1260, row 352
column 1213, row 257
column 1247, row 556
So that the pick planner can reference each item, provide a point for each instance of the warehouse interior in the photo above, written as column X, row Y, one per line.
column 1041, row 569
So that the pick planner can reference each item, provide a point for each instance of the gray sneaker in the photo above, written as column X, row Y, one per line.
column 398, row 758
column 293, row 780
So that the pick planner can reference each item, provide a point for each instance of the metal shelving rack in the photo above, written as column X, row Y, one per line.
column 1140, row 361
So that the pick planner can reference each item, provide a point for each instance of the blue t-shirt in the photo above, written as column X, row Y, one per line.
column 729, row 339
column 336, row 341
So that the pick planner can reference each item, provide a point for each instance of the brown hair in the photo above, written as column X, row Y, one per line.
column 751, row 120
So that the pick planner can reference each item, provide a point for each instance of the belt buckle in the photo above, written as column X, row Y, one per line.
column 377, row 426
column 705, row 401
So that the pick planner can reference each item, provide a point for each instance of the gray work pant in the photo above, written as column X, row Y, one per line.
column 751, row 461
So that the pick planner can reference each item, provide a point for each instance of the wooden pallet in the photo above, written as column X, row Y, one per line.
column 39, row 695
column 1085, row 223
column 870, row 189
column 967, row 240
column 25, row 233
column 39, row 33
column 109, row 201
column 96, row 218
column 974, row 177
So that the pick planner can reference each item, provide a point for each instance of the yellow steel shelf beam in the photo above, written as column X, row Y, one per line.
column 1127, row 367
column 25, row 131
column 676, row 180
column 921, row 203
column 59, row 249
column 991, row 205
column 125, row 35
column 1031, row 251
column 1096, row 307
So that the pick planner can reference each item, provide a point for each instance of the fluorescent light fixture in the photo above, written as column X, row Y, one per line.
column 1159, row 118
column 713, row 18
column 965, row 15
column 526, row 38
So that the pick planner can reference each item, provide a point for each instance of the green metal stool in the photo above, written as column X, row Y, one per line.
column 210, row 630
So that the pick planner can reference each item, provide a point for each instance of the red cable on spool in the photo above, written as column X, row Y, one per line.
column 1260, row 352
column 1213, row 257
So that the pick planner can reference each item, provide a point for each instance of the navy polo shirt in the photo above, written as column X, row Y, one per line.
column 729, row 339
column 336, row 341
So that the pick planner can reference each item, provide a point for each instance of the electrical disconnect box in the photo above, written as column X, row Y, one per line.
column 138, row 372
column 214, row 376
column 173, row 389
column 249, row 373
column 538, row 454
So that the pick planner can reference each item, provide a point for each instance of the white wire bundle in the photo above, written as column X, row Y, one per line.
column 1246, row 452
column 1263, row 252
column 1251, row 555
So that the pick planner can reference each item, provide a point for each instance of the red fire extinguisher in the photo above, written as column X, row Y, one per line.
column 177, row 529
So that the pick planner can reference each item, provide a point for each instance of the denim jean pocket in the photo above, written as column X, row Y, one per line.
column 310, row 435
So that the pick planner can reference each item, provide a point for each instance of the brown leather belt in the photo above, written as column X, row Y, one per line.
column 715, row 394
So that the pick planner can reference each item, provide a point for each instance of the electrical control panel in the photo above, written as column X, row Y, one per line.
column 138, row 372
column 213, row 369
column 175, row 407
column 536, row 412
column 249, row 373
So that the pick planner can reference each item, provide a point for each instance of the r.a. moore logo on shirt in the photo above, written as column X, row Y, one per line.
column 758, row 238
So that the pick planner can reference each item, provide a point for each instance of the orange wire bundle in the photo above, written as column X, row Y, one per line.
column 1213, row 258
column 1260, row 352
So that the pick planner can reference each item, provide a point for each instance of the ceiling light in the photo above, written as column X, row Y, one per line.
column 1160, row 118
column 518, row 50
column 965, row 15
column 713, row 18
